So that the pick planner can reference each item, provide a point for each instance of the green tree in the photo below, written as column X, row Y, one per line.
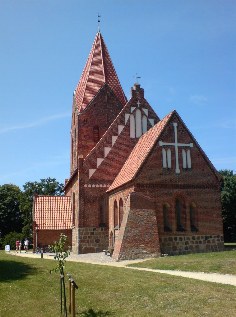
column 228, row 201
column 10, row 213
column 48, row 186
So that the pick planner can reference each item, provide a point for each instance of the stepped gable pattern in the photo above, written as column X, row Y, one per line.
column 98, row 70
column 53, row 212
column 139, row 153
column 110, row 153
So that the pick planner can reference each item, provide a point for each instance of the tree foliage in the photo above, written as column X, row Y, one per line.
column 11, row 238
column 228, row 200
column 10, row 213
column 16, row 205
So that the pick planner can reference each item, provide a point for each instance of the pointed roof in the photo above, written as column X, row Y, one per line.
column 139, row 153
column 143, row 148
column 98, row 70
column 53, row 212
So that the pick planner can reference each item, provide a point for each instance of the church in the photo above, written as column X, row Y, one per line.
column 139, row 185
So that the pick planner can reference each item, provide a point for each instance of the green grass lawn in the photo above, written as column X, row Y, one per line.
column 215, row 262
column 27, row 289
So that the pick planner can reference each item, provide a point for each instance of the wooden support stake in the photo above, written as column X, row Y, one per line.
column 72, row 300
column 70, row 296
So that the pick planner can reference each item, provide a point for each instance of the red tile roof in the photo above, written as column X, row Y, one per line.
column 139, row 154
column 98, row 71
column 53, row 212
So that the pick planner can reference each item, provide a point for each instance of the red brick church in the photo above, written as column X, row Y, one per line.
column 138, row 184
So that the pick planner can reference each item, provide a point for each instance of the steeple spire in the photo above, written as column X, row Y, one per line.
column 98, row 70
column 99, row 20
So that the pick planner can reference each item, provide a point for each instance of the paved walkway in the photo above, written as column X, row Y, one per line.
column 102, row 259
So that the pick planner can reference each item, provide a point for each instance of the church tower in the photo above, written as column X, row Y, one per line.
column 97, row 100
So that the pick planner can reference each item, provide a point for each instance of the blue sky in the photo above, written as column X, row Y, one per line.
column 184, row 51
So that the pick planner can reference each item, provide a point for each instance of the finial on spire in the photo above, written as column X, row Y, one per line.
column 99, row 16
column 137, row 78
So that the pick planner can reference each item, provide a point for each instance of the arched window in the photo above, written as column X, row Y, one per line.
column 189, row 162
column 144, row 123
column 138, row 123
column 193, row 217
column 116, row 216
column 132, row 126
column 166, row 158
column 186, row 157
column 102, row 216
column 96, row 134
column 166, row 218
column 180, row 215
column 121, row 212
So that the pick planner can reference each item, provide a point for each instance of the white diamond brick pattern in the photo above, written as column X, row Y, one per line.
column 114, row 138
column 106, row 150
column 99, row 161
column 120, row 128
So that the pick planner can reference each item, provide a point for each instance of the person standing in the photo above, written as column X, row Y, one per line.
column 17, row 245
column 26, row 245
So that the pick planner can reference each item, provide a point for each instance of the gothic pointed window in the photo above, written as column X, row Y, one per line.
column 169, row 158
column 138, row 123
column 166, row 218
column 132, row 126
column 144, row 123
column 102, row 216
column 166, row 158
column 116, row 216
column 186, row 157
column 179, row 214
column 121, row 211
column 193, row 217
column 189, row 162
column 96, row 134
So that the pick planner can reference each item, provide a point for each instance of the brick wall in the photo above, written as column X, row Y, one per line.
column 137, row 236
column 101, row 112
column 175, row 245
column 92, row 240
column 47, row 237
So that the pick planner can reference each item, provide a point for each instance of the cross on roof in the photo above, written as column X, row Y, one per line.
column 138, row 103
column 176, row 145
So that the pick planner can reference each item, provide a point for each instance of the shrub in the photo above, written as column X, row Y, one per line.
column 11, row 238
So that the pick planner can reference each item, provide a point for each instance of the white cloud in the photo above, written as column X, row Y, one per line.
column 34, row 124
column 198, row 100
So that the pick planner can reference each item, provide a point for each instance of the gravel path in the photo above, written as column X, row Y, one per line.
column 102, row 259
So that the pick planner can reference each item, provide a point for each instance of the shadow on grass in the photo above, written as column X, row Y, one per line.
column 93, row 313
column 10, row 270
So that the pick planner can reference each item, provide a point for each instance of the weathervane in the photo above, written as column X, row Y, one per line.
column 137, row 78
column 99, row 16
